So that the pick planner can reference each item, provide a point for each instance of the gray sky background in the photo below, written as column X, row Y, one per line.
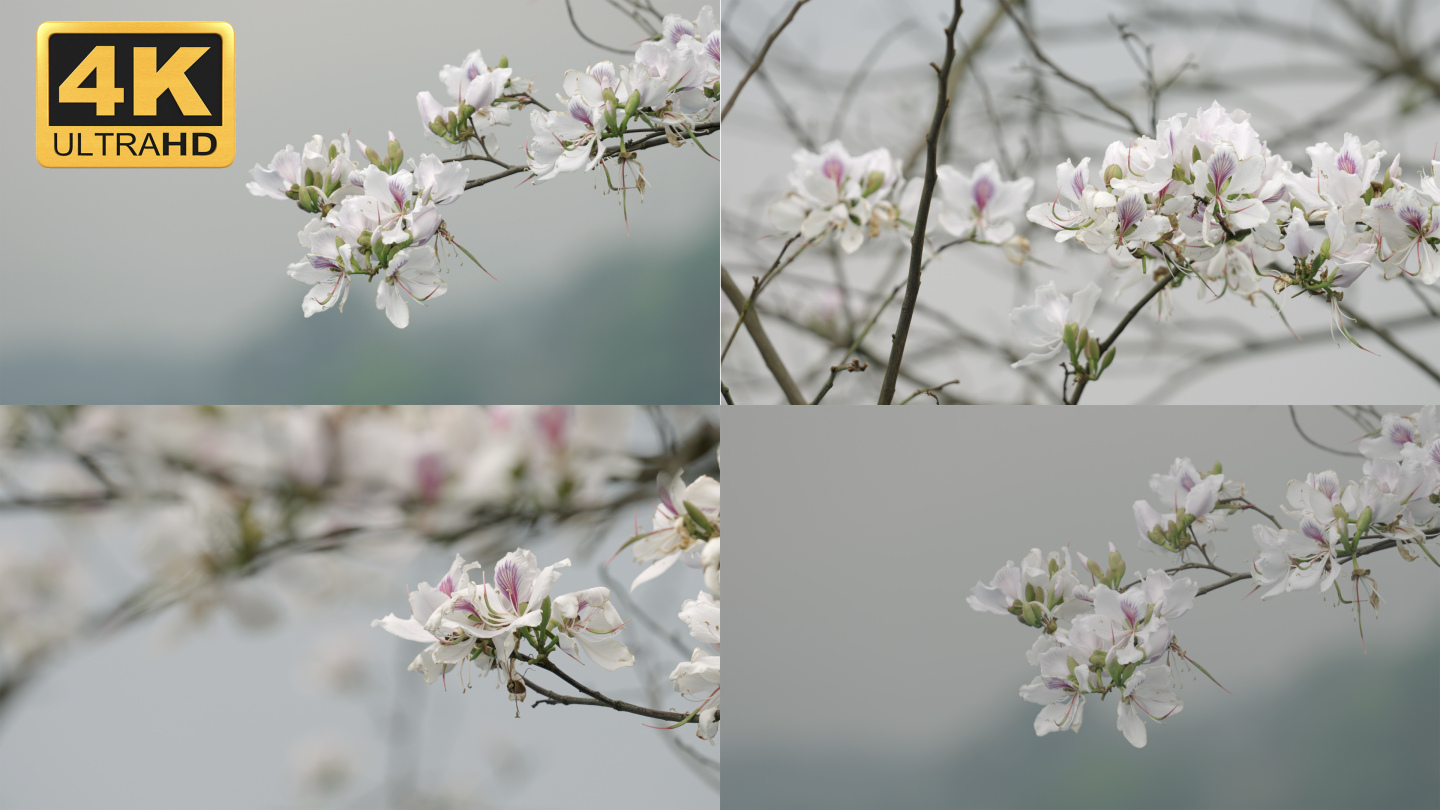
column 172, row 714
column 162, row 285
column 1281, row 82
column 865, row 680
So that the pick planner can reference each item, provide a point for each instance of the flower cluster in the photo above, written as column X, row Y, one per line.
column 1192, row 497
column 483, row 96
column 382, row 222
column 483, row 622
column 687, row 526
column 976, row 207
column 1397, row 499
column 672, row 86
column 1207, row 197
column 832, row 192
column 1095, row 639
column 378, row 222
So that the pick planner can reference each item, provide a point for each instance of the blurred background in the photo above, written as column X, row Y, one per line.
column 186, row 597
column 858, row 71
column 866, row 680
column 155, row 285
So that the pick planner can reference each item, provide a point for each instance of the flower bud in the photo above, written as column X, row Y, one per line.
column 1109, row 358
column 396, row 155
column 1015, row 608
column 1092, row 352
column 364, row 239
column 1362, row 525
column 1029, row 592
column 873, row 182
column 294, row 192
column 1054, row 567
column 1115, row 560
column 438, row 126
column 1113, row 172
column 1127, row 672
column 632, row 105
column 504, row 62
column 1030, row 614
column 1217, row 469
column 309, row 177
column 1084, row 339
column 1097, row 659
column 1119, row 573
column 1340, row 513
column 372, row 155
column 1068, row 336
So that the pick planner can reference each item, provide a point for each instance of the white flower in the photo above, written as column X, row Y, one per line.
column 1042, row 324
column 514, row 599
column 1147, row 692
column 980, row 206
column 324, row 268
column 699, row 679
column 411, row 274
column 586, row 619
column 676, row 528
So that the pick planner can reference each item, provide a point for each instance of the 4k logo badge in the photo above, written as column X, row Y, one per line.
column 135, row 94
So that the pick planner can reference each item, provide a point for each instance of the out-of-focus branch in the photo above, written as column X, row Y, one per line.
column 595, row 698
column 734, row 95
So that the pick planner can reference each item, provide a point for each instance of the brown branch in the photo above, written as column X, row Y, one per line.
column 651, row 140
column 596, row 698
column 922, row 216
column 760, row 57
column 1120, row 327
column 762, row 341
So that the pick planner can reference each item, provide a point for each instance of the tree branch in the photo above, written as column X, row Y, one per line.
column 922, row 216
column 751, row 319
column 595, row 698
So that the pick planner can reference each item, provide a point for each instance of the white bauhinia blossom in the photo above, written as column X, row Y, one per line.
column 1059, row 690
column 831, row 191
column 1074, row 185
column 284, row 173
column 1042, row 324
column 324, row 268
column 1149, row 692
column 441, row 617
column 978, row 206
column 1296, row 560
column 699, row 678
column 1409, row 225
column 411, row 275
column 587, row 620
column 677, row 530
column 710, row 559
column 514, row 600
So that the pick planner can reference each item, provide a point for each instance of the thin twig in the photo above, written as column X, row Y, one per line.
column 1296, row 421
column 586, row 37
column 596, row 698
column 1160, row 285
column 1384, row 334
column 760, row 57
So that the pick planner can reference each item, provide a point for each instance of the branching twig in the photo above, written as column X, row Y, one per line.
column 734, row 94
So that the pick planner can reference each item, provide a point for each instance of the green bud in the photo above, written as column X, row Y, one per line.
column 1094, row 569
column 633, row 104
column 1127, row 672
column 334, row 151
column 1186, row 520
column 1092, row 351
column 1149, row 613
column 372, row 155
column 1119, row 573
column 1362, row 525
column 699, row 518
column 1029, row 615
column 396, row 155
column 873, row 183
column 1340, row 513
column 466, row 111
column 545, row 612
column 309, row 177
column 306, row 200
column 1016, row 608
column 1217, row 469
column 1109, row 358
column 1054, row 567
column 1195, row 154
column 1097, row 659
column 1029, row 592
column 438, row 126
column 1112, row 173
column 504, row 62
column 609, row 96
column 1083, row 339
column 1157, row 536
column 364, row 239
column 1323, row 255
column 293, row 193
column 1071, row 663
column 1116, row 560
column 1068, row 336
